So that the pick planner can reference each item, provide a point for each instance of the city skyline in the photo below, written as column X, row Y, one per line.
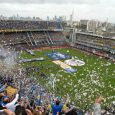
column 83, row 9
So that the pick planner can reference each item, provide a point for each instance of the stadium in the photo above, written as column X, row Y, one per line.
column 38, row 59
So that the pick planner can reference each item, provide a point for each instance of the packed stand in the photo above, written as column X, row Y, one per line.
column 6, row 80
column 32, row 39
column 28, row 25
column 35, row 100
column 57, row 36
column 26, row 106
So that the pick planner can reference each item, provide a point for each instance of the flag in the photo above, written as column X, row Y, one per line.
column 38, row 100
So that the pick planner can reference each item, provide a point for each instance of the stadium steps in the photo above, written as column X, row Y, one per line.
column 24, row 39
column 30, row 38
column 48, row 38
column 41, row 41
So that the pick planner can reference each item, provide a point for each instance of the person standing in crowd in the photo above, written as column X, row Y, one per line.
column 97, row 105
column 57, row 107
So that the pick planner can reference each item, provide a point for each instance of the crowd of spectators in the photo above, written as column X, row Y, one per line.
column 57, row 36
column 32, row 39
column 26, row 106
column 28, row 25
column 93, row 49
column 6, row 80
column 46, row 103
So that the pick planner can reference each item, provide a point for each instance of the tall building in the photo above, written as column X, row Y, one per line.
column 93, row 26
column 48, row 18
column 83, row 25
column 83, row 22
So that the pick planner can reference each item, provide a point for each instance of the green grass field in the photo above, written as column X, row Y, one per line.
column 95, row 78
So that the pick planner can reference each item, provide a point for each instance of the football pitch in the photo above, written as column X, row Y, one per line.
column 95, row 78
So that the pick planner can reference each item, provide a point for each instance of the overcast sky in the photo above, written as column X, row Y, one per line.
column 83, row 9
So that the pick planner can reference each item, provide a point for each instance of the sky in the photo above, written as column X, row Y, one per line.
column 102, row 10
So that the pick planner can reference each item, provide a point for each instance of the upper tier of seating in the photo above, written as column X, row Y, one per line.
column 7, row 25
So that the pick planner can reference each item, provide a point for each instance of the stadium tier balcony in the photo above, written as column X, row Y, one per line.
column 57, row 36
column 32, row 39
column 11, row 25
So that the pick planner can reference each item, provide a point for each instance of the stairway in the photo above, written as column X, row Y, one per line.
column 48, row 38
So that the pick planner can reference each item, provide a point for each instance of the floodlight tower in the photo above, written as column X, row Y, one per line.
column 72, row 29
column 106, row 24
column 71, row 18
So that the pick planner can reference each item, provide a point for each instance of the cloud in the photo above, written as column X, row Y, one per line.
column 51, row 1
column 83, row 9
